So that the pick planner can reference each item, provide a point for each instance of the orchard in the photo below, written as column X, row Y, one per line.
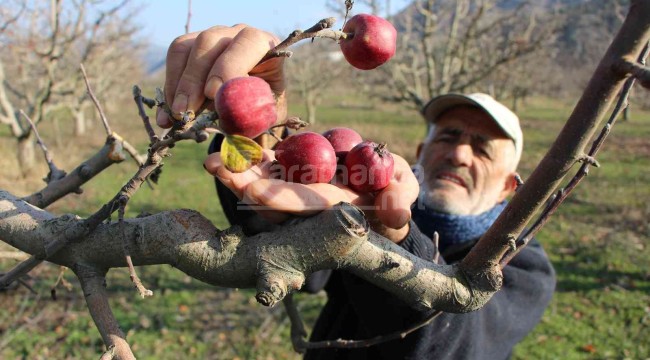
column 276, row 263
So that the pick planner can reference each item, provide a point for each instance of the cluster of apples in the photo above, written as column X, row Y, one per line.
column 247, row 107
column 309, row 157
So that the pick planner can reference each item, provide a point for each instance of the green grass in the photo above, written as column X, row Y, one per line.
column 597, row 241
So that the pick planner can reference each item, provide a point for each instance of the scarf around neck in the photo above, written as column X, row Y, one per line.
column 454, row 229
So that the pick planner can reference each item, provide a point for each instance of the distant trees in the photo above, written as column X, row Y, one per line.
column 43, row 44
column 315, row 67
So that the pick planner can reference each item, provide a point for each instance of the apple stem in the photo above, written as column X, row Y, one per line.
column 381, row 149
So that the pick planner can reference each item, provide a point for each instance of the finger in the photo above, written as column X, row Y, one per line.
column 295, row 198
column 162, row 119
column 242, row 55
column 207, row 47
column 177, row 56
column 237, row 182
column 393, row 203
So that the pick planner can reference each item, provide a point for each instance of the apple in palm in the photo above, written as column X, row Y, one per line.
column 306, row 158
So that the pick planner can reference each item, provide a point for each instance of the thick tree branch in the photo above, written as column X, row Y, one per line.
column 108, row 155
column 589, row 160
column 275, row 263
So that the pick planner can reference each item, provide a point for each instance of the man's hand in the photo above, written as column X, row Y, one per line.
column 388, row 212
column 199, row 63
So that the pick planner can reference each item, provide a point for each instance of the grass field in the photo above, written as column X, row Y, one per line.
column 598, row 242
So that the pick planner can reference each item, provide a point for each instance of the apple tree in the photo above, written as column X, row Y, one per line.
column 275, row 263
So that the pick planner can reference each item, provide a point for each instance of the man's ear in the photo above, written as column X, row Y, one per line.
column 509, row 186
column 419, row 150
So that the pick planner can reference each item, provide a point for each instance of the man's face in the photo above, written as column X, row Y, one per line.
column 467, row 164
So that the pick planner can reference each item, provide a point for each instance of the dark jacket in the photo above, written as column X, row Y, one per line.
column 357, row 309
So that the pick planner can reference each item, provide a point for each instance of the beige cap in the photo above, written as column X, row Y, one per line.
column 506, row 119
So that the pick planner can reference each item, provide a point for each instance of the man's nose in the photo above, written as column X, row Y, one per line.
column 461, row 155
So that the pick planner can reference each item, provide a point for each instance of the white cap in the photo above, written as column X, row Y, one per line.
column 502, row 116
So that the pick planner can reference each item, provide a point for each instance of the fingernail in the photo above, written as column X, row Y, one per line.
column 211, row 88
column 180, row 104
column 162, row 119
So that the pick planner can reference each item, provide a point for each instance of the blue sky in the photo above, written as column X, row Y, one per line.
column 162, row 21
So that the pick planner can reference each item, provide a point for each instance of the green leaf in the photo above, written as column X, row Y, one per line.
column 240, row 153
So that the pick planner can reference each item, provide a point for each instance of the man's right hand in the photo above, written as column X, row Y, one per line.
column 199, row 63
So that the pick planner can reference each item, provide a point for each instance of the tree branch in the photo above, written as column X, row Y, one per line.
column 275, row 263
column 567, row 149
column 637, row 70
column 93, row 284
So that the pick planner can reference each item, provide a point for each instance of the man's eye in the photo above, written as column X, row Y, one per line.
column 483, row 152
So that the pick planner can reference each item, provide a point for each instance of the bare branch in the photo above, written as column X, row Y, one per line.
column 139, row 100
column 12, row 19
column 93, row 284
column 189, row 16
column 95, row 101
column 108, row 155
column 55, row 173
column 144, row 292
column 567, row 148
column 555, row 200
column 640, row 72
column 321, row 29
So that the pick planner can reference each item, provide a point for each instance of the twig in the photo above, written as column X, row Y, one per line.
column 140, row 101
column 436, row 243
column 321, row 29
column 55, row 172
column 588, row 160
column 60, row 280
column 348, row 7
column 298, row 332
column 144, row 292
column 109, row 354
column 95, row 101
column 189, row 16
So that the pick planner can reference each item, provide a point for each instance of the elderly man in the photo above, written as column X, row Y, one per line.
column 466, row 167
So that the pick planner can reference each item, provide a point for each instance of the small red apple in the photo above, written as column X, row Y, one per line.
column 306, row 158
column 246, row 106
column 370, row 43
column 369, row 167
column 342, row 139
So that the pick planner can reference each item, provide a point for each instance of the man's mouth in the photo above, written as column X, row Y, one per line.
column 452, row 178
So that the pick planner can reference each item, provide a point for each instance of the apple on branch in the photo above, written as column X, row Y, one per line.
column 246, row 106
column 370, row 42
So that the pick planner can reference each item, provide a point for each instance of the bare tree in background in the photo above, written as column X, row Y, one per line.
column 312, row 71
column 43, row 44
column 456, row 46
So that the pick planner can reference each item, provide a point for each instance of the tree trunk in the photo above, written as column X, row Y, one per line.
column 26, row 155
column 310, row 104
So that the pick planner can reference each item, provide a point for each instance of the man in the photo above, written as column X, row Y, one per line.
column 467, row 169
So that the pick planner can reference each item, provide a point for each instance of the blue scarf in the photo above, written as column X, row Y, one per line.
column 454, row 229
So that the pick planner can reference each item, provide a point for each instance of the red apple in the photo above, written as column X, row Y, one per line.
column 246, row 106
column 306, row 158
column 370, row 43
column 369, row 167
column 342, row 139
